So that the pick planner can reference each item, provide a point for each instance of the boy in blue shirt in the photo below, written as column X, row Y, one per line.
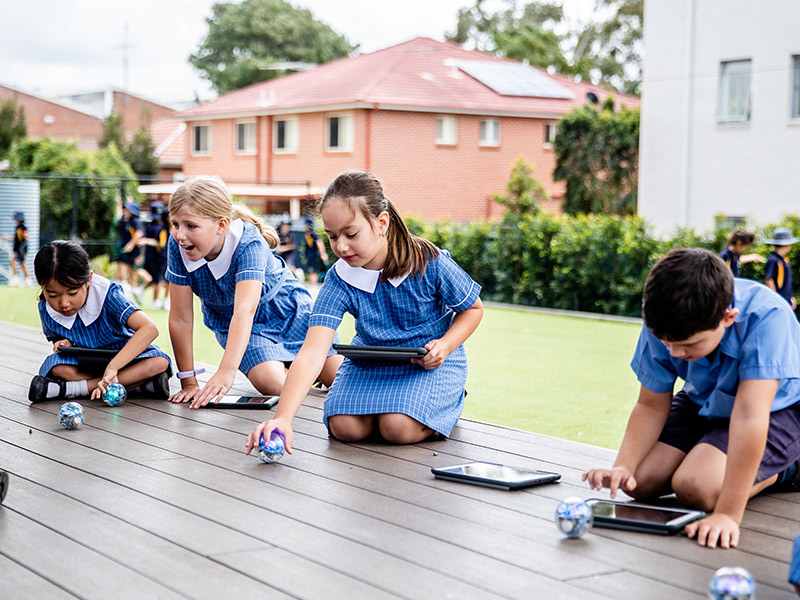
column 734, row 428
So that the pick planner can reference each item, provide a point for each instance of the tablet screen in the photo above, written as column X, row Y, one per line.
column 636, row 513
column 248, row 400
column 493, row 472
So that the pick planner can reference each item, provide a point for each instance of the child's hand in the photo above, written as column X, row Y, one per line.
column 266, row 428
column 186, row 394
column 438, row 351
column 61, row 344
column 217, row 386
column 717, row 527
column 617, row 478
column 109, row 377
column 751, row 258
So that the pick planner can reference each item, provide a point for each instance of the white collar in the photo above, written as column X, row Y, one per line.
column 220, row 265
column 363, row 279
column 95, row 297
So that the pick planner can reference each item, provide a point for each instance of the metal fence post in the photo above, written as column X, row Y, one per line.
column 74, row 231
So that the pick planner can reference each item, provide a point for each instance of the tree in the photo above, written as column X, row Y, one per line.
column 12, row 126
column 244, row 39
column 140, row 153
column 597, row 154
column 112, row 132
column 525, row 191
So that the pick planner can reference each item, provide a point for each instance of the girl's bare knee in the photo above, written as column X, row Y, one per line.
column 401, row 429
column 65, row 372
column 349, row 428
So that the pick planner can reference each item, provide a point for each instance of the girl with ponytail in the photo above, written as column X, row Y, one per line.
column 220, row 251
column 402, row 291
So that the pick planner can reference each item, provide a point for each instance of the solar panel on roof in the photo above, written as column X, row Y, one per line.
column 511, row 79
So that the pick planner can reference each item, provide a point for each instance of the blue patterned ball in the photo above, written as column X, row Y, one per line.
column 732, row 583
column 574, row 517
column 70, row 415
column 115, row 394
column 272, row 451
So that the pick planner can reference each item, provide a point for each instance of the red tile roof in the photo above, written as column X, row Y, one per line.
column 170, row 144
column 420, row 74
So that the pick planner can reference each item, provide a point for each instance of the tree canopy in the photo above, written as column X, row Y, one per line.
column 245, row 40
column 140, row 152
column 12, row 126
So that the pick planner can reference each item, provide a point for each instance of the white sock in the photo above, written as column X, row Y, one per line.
column 76, row 389
column 53, row 390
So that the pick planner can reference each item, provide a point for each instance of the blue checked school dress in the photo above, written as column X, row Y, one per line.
column 99, row 323
column 405, row 311
column 281, row 320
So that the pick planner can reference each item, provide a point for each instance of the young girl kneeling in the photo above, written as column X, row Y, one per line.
column 256, row 308
column 402, row 291
column 78, row 307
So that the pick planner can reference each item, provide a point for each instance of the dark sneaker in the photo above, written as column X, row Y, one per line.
column 40, row 385
column 3, row 485
column 790, row 485
column 161, row 386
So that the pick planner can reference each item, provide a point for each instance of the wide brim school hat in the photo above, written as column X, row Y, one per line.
column 782, row 236
column 19, row 216
column 133, row 207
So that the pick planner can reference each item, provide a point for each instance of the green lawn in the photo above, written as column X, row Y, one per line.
column 560, row 376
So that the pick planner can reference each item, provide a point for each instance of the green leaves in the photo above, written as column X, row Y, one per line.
column 12, row 126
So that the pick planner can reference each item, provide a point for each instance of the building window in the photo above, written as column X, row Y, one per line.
column 284, row 136
column 796, row 87
column 734, row 92
column 245, row 137
column 446, row 129
column 201, row 140
column 490, row 132
column 550, row 132
column 339, row 133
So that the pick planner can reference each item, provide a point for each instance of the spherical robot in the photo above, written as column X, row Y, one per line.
column 732, row 583
column 70, row 415
column 272, row 451
column 574, row 517
column 115, row 394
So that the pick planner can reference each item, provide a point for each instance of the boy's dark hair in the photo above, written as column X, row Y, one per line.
column 742, row 237
column 62, row 261
column 687, row 291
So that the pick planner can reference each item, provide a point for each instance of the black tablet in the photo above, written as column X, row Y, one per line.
column 632, row 516
column 79, row 352
column 249, row 402
column 493, row 475
column 399, row 354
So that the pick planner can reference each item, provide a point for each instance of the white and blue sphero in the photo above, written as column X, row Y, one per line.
column 272, row 451
column 115, row 394
column 574, row 517
column 70, row 415
column 732, row 583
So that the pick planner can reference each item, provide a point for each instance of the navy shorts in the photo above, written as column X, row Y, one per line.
column 129, row 258
column 685, row 428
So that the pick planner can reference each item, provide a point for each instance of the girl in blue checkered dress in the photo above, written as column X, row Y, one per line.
column 259, row 313
column 80, row 308
column 402, row 291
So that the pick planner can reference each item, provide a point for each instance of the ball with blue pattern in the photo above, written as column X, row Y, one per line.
column 70, row 415
column 574, row 517
column 732, row 583
column 273, row 450
column 115, row 394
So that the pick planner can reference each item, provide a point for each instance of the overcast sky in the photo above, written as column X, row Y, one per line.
column 52, row 47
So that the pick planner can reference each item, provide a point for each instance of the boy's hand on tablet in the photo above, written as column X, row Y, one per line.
column 61, row 344
column 616, row 478
column 715, row 528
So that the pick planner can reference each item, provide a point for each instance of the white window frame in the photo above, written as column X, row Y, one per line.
column 247, row 151
column 490, row 132
column 446, row 130
column 550, row 133
column 733, row 102
column 290, row 135
column 192, row 141
column 345, row 132
column 795, row 108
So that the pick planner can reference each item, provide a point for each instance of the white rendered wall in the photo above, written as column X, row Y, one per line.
column 691, row 167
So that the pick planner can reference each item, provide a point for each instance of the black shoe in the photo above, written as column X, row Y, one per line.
column 3, row 485
column 40, row 385
column 789, row 485
column 161, row 385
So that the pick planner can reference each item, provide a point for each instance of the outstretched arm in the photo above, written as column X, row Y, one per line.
column 181, row 324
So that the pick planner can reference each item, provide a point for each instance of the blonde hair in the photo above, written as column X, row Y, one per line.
column 363, row 192
column 207, row 196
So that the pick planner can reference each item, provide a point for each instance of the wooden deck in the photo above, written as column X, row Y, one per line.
column 152, row 500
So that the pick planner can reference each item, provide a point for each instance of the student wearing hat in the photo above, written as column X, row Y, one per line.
column 20, row 238
column 155, row 252
column 778, row 274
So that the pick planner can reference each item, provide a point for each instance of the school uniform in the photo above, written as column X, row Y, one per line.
column 281, row 320
column 732, row 260
column 20, row 242
column 779, row 270
column 762, row 343
column 405, row 311
column 100, row 323
column 155, row 259
column 126, row 228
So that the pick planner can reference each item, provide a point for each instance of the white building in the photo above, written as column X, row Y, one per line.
column 720, row 116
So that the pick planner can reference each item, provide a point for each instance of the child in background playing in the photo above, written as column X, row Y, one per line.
column 403, row 291
column 155, row 252
column 257, row 310
column 734, row 428
column 315, row 253
column 20, row 238
column 734, row 255
column 80, row 308
column 778, row 273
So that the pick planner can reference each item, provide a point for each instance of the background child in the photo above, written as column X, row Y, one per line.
column 734, row 428
column 734, row 255
column 315, row 253
column 155, row 252
column 258, row 311
column 129, row 229
column 402, row 291
column 286, row 246
column 20, row 238
column 83, row 309
column 778, row 272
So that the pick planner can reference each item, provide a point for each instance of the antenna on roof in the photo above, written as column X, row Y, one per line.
column 125, row 46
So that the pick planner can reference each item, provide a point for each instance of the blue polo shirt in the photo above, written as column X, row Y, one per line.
column 762, row 343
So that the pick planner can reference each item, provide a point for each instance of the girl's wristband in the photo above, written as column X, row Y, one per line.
column 187, row 374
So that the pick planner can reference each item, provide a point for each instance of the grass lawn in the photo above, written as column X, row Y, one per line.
column 560, row 376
